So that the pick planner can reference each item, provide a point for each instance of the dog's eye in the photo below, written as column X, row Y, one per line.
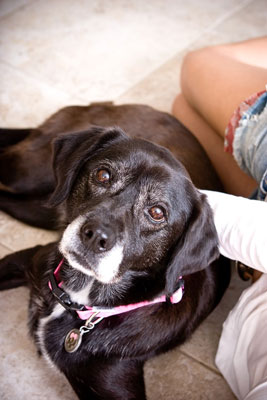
column 103, row 176
column 157, row 213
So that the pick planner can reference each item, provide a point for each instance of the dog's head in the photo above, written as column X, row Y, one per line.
column 130, row 208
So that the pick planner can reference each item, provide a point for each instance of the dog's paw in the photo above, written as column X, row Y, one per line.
column 11, row 274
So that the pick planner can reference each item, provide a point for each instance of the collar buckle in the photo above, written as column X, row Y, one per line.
column 62, row 297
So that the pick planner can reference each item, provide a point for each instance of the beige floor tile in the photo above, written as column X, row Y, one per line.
column 16, row 236
column 10, row 6
column 25, row 101
column 99, row 51
column 160, row 87
column 173, row 376
column 4, row 251
column 250, row 22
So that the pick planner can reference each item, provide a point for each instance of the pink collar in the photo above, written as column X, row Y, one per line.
column 86, row 312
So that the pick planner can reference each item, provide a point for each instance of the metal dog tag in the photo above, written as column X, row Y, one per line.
column 73, row 340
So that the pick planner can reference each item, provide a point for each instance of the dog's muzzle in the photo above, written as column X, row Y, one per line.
column 97, row 238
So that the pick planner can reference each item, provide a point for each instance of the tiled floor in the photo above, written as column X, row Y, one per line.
column 61, row 52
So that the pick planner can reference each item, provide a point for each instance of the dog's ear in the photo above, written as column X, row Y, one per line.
column 71, row 151
column 196, row 248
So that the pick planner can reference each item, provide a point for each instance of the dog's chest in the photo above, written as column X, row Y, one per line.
column 80, row 297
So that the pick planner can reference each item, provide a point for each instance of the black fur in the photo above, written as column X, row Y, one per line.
column 109, row 362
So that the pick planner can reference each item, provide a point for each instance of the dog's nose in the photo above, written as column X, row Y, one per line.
column 97, row 238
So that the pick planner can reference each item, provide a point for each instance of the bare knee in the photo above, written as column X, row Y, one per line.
column 192, row 71
column 195, row 73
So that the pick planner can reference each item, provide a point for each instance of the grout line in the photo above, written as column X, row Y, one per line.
column 41, row 82
column 191, row 43
column 228, row 15
column 18, row 8
column 209, row 367
column 209, row 29
column 6, row 247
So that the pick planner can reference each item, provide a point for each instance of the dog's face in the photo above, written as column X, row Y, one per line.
column 131, row 209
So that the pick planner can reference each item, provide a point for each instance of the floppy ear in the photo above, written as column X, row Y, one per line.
column 197, row 247
column 71, row 151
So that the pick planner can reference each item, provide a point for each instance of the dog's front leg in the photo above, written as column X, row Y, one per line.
column 28, row 208
column 13, row 268
column 113, row 380
column 9, row 136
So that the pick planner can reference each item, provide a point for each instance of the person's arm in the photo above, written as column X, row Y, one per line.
column 241, row 225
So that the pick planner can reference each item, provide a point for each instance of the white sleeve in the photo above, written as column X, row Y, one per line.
column 241, row 225
column 242, row 351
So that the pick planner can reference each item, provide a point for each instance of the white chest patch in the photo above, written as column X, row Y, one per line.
column 82, row 296
column 57, row 311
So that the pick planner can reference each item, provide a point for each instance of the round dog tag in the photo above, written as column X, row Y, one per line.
column 73, row 340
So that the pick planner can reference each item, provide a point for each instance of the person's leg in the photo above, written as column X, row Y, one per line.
column 214, row 81
column 252, row 51
column 235, row 181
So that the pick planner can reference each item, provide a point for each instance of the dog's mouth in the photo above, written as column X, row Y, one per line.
column 105, row 269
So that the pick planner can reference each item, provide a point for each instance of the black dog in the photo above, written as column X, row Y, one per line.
column 137, row 235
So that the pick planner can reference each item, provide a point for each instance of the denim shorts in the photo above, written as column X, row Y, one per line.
column 246, row 138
